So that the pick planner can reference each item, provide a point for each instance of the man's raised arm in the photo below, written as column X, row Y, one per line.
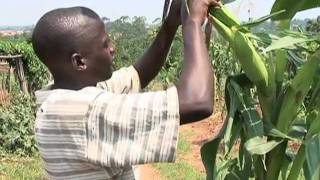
column 196, row 84
column 149, row 65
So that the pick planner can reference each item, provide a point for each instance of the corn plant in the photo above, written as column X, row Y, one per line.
column 272, row 128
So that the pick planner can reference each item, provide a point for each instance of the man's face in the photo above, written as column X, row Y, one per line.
column 99, row 52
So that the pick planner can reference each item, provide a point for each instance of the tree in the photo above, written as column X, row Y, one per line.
column 313, row 25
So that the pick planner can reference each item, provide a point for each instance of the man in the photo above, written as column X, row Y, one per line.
column 94, row 124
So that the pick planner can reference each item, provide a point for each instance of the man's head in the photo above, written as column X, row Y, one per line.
column 73, row 44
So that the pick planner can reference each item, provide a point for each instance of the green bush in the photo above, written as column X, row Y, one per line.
column 16, row 125
column 35, row 71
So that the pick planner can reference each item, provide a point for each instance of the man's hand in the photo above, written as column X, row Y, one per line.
column 196, row 10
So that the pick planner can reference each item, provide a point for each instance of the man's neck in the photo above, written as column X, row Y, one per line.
column 69, row 84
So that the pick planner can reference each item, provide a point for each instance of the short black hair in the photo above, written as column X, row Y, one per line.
column 54, row 34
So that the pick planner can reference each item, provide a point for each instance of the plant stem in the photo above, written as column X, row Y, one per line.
column 274, row 161
column 297, row 164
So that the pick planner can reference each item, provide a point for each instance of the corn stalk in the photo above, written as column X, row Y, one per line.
column 280, row 99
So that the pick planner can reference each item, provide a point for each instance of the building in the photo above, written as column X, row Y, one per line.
column 8, row 33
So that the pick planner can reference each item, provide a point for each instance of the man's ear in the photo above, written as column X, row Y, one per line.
column 78, row 62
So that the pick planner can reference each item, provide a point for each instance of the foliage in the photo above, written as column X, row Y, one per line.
column 17, row 118
column 313, row 25
column 16, row 125
column 36, row 73
column 131, row 37
column 273, row 101
column 224, row 63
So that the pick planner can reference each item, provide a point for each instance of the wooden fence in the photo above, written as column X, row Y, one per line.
column 12, row 67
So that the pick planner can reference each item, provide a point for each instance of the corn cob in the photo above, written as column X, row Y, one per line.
column 224, row 30
column 223, row 13
column 251, row 61
column 228, row 26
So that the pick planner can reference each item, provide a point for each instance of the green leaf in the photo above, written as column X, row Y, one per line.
column 286, row 42
column 248, row 111
column 313, row 157
column 285, row 166
column 296, row 92
column 261, row 20
column 208, row 155
column 313, row 123
column 233, row 105
column 292, row 7
column 296, row 60
column 260, row 146
column 270, row 130
column 306, row 173
column 245, row 160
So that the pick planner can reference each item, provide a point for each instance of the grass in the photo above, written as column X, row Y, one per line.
column 180, row 169
column 13, row 167
column 184, row 147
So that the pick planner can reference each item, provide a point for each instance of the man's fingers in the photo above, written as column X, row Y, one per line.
column 215, row 3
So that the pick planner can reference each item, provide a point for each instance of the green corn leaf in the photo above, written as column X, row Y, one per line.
column 224, row 168
column 260, row 146
column 286, row 42
column 270, row 130
column 297, row 163
column 245, row 159
column 315, row 97
column 234, row 122
column 313, row 157
column 313, row 122
column 263, row 37
column 250, row 115
column 296, row 92
column 296, row 60
column 261, row 20
column 287, row 161
column 233, row 104
column 292, row 7
column 209, row 152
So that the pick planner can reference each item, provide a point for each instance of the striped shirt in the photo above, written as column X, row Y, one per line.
column 102, row 132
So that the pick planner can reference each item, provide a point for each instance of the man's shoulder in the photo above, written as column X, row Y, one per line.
column 67, row 96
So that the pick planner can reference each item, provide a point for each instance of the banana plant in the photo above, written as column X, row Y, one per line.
column 289, row 101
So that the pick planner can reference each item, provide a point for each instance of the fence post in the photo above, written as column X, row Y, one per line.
column 21, row 76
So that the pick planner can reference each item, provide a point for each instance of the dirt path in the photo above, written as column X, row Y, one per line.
column 200, row 132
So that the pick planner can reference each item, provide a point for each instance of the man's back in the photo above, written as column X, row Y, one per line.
column 61, row 137
column 81, row 134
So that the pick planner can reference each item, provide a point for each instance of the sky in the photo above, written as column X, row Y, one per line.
column 27, row 12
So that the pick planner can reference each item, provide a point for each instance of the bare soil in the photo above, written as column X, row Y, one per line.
column 200, row 132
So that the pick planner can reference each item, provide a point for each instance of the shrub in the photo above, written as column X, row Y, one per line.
column 16, row 125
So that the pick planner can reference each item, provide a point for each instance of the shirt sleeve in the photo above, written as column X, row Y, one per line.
column 125, row 80
column 130, row 129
